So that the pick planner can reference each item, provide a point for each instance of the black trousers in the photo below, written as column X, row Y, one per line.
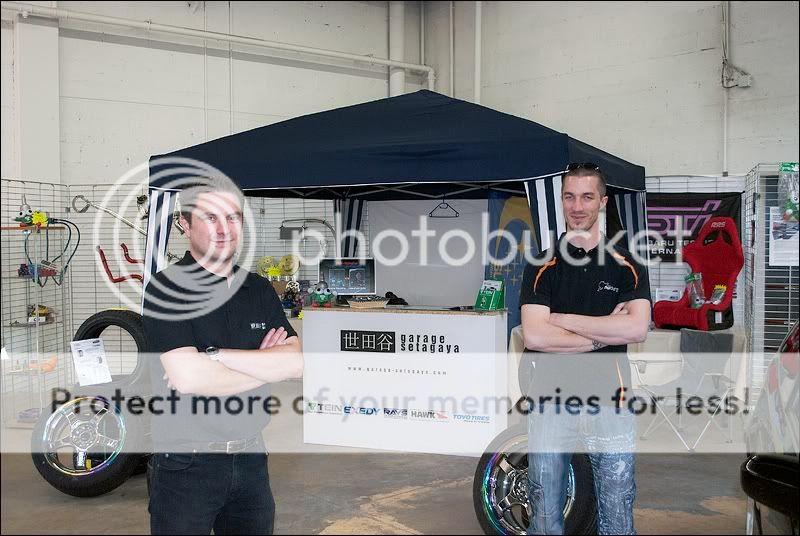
column 193, row 493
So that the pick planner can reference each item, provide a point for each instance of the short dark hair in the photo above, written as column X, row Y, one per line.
column 586, row 170
column 203, row 185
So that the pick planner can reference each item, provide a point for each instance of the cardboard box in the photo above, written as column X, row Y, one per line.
column 279, row 286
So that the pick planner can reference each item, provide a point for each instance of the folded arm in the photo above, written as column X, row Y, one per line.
column 190, row 371
column 543, row 336
column 275, row 364
column 278, row 358
column 628, row 324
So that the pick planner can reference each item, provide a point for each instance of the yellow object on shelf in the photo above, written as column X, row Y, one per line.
column 289, row 265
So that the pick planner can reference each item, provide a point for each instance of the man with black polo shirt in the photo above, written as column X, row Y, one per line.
column 582, row 302
column 219, row 336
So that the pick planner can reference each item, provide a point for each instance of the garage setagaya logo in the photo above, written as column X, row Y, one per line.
column 427, row 343
column 388, row 342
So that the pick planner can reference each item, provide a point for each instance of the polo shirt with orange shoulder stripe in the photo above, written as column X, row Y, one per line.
column 593, row 286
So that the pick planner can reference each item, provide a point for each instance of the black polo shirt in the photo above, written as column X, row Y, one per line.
column 245, row 314
column 593, row 289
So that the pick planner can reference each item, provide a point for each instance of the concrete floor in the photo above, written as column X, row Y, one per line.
column 384, row 494
column 366, row 493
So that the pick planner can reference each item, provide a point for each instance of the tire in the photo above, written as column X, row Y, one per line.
column 501, row 479
column 70, row 454
column 98, row 438
column 128, row 321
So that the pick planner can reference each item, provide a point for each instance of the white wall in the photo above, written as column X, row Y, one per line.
column 8, row 134
column 638, row 79
column 124, row 95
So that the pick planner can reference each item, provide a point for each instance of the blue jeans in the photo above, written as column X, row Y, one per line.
column 192, row 493
column 609, row 438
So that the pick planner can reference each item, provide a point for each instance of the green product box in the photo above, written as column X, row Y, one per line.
column 492, row 295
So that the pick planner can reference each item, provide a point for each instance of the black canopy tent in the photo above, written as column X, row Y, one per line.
column 418, row 145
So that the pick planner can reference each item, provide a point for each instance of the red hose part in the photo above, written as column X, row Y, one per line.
column 128, row 257
column 113, row 279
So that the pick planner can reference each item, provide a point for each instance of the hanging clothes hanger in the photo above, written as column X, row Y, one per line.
column 447, row 211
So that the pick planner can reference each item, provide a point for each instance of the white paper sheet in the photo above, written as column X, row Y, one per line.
column 90, row 360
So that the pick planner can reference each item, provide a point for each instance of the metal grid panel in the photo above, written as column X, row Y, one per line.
column 671, row 275
column 88, row 289
column 92, row 289
column 269, row 213
column 25, row 388
column 771, row 291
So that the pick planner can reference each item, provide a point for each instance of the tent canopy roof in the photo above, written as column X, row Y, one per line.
column 420, row 144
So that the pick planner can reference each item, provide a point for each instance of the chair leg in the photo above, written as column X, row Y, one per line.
column 655, row 420
column 674, row 429
column 651, row 427
column 711, row 420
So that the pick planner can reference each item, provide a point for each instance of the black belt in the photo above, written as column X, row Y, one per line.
column 229, row 447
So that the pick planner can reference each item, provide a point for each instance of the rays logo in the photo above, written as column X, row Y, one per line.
column 606, row 286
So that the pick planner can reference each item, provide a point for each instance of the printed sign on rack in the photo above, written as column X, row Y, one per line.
column 784, row 240
column 90, row 360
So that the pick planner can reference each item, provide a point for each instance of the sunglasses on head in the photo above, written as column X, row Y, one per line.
column 583, row 165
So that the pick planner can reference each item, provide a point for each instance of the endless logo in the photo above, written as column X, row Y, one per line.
column 606, row 286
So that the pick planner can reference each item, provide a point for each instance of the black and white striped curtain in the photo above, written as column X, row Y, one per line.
column 547, row 213
column 159, row 224
column 630, row 208
column 349, row 215
column 625, row 210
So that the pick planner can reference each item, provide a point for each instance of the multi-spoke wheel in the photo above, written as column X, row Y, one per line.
column 78, row 449
column 500, row 488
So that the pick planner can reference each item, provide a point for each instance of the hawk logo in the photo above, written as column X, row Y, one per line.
column 606, row 286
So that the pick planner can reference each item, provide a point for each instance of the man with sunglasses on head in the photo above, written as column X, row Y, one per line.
column 583, row 301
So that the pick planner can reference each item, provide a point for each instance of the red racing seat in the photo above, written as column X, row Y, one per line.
column 717, row 255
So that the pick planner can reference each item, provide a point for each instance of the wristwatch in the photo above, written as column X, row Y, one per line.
column 213, row 353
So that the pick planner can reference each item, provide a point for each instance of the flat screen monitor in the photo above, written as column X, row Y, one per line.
column 349, row 277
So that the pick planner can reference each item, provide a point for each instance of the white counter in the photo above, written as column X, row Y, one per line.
column 407, row 380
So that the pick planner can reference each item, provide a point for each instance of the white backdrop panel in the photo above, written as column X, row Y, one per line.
column 436, row 283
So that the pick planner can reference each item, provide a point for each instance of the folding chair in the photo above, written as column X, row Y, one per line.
column 705, row 361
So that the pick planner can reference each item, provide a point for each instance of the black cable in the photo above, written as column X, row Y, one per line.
column 69, row 225
column 66, row 246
